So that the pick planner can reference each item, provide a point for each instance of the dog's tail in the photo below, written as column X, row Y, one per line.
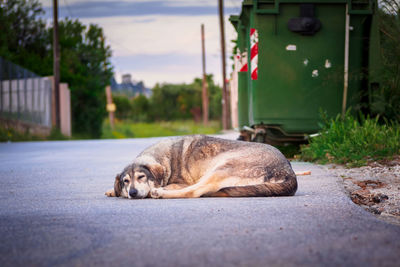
column 267, row 189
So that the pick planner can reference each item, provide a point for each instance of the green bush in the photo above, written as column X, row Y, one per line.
column 385, row 101
column 140, row 108
column 123, row 107
column 353, row 142
column 169, row 102
column 183, row 101
column 174, row 101
column 133, row 109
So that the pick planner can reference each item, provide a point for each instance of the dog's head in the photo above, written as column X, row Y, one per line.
column 134, row 182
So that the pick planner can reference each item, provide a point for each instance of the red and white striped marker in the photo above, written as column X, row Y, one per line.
column 254, row 53
column 243, row 62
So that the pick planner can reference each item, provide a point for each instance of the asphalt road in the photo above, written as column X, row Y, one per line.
column 53, row 212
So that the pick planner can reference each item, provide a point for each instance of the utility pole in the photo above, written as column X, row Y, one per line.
column 224, row 89
column 56, row 64
column 110, row 106
column 205, row 85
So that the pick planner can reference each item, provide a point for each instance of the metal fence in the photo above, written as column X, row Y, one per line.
column 24, row 95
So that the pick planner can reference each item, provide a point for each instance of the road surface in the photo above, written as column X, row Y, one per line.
column 53, row 212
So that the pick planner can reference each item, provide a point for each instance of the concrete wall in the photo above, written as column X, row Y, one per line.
column 29, row 104
column 65, row 109
column 27, row 100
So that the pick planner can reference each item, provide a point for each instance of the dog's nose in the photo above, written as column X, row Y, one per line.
column 133, row 192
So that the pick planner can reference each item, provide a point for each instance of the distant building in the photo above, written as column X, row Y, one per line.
column 129, row 87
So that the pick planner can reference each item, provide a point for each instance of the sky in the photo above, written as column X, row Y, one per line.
column 157, row 41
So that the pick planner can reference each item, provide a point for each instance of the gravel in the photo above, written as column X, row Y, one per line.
column 375, row 187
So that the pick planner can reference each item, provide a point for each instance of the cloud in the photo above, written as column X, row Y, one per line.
column 96, row 9
column 143, row 20
column 160, row 34
column 230, row 3
column 165, row 48
column 162, row 48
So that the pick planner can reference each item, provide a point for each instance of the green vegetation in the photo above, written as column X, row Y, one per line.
column 183, row 101
column 85, row 67
column 356, row 141
column 385, row 101
column 353, row 142
column 170, row 102
column 130, row 129
column 123, row 129
column 85, row 59
column 23, row 34
column 173, row 109
column 134, row 108
column 9, row 134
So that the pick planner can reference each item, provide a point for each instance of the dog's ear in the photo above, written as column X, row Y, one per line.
column 155, row 173
column 117, row 186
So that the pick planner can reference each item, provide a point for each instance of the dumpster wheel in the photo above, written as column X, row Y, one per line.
column 270, row 134
column 259, row 135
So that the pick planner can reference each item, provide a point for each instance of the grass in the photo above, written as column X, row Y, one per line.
column 129, row 129
column 123, row 129
column 8, row 134
column 352, row 142
column 343, row 141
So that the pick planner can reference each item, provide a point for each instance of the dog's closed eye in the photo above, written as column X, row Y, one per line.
column 141, row 176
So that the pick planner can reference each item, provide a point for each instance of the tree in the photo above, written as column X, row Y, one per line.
column 85, row 59
column 181, row 101
column 214, row 97
column 174, row 101
column 23, row 35
column 140, row 108
column 123, row 107
column 86, row 68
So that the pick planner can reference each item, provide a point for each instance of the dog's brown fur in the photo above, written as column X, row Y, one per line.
column 195, row 166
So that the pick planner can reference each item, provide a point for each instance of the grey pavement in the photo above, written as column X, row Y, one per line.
column 53, row 212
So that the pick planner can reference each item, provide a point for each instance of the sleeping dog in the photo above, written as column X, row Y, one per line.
column 198, row 166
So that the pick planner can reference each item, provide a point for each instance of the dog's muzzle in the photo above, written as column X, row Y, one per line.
column 133, row 192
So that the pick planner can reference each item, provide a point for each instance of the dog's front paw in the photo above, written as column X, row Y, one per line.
column 156, row 192
column 110, row 193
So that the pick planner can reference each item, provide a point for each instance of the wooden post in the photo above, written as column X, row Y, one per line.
column 205, row 85
column 56, row 64
column 110, row 106
column 225, row 114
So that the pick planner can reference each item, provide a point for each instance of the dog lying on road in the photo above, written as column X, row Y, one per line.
column 196, row 166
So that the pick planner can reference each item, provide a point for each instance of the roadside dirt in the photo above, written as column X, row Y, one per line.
column 375, row 187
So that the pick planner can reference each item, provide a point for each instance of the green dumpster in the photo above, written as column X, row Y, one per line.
column 312, row 55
